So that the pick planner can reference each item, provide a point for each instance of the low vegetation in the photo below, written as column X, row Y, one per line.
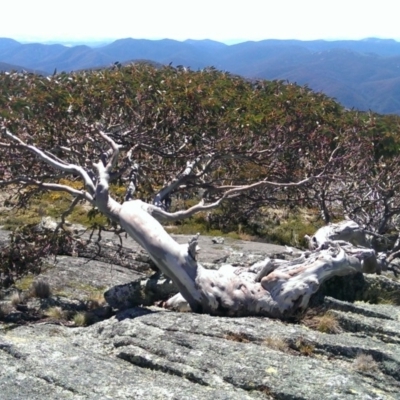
column 240, row 337
column 21, row 305
column 365, row 363
column 276, row 343
column 56, row 313
column 95, row 300
column 5, row 310
column 83, row 318
column 40, row 289
column 325, row 322
column 16, row 298
column 304, row 347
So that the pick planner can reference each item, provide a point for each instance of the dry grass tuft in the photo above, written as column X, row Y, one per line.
column 40, row 289
column 237, row 337
column 326, row 323
column 5, row 309
column 246, row 237
column 16, row 298
column 365, row 363
column 56, row 313
column 83, row 319
column 95, row 300
column 390, row 297
column 304, row 347
column 276, row 343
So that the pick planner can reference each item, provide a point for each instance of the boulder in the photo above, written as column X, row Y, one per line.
column 151, row 353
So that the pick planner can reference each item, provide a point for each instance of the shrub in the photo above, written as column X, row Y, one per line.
column 27, row 250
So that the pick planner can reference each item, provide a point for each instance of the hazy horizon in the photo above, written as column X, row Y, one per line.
column 254, row 20
column 104, row 41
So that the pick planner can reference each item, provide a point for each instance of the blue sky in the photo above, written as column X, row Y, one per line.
column 222, row 20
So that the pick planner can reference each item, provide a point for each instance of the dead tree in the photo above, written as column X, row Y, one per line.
column 272, row 289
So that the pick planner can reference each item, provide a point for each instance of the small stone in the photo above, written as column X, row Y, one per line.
column 218, row 240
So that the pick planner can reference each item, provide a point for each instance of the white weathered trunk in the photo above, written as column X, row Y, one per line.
column 348, row 231
column 345, row 233
column 173, row 259
column 275, row 288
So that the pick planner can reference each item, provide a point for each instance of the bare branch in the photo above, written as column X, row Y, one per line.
column 104, row 201
column 133, row 179
column 175, row 183
column 56, row 187
column 193, row 246
column 113, row 152
column 67, row 212
column 71, row 168
column 162, row 215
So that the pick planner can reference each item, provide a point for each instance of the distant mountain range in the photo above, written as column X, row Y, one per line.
column 363, row 74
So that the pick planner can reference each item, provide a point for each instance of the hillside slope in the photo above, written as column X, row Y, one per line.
column 360, row 74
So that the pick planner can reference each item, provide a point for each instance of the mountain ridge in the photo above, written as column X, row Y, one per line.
column 361, row 74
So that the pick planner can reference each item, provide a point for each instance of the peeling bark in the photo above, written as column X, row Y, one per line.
column 273, row 288
column 348, row 231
